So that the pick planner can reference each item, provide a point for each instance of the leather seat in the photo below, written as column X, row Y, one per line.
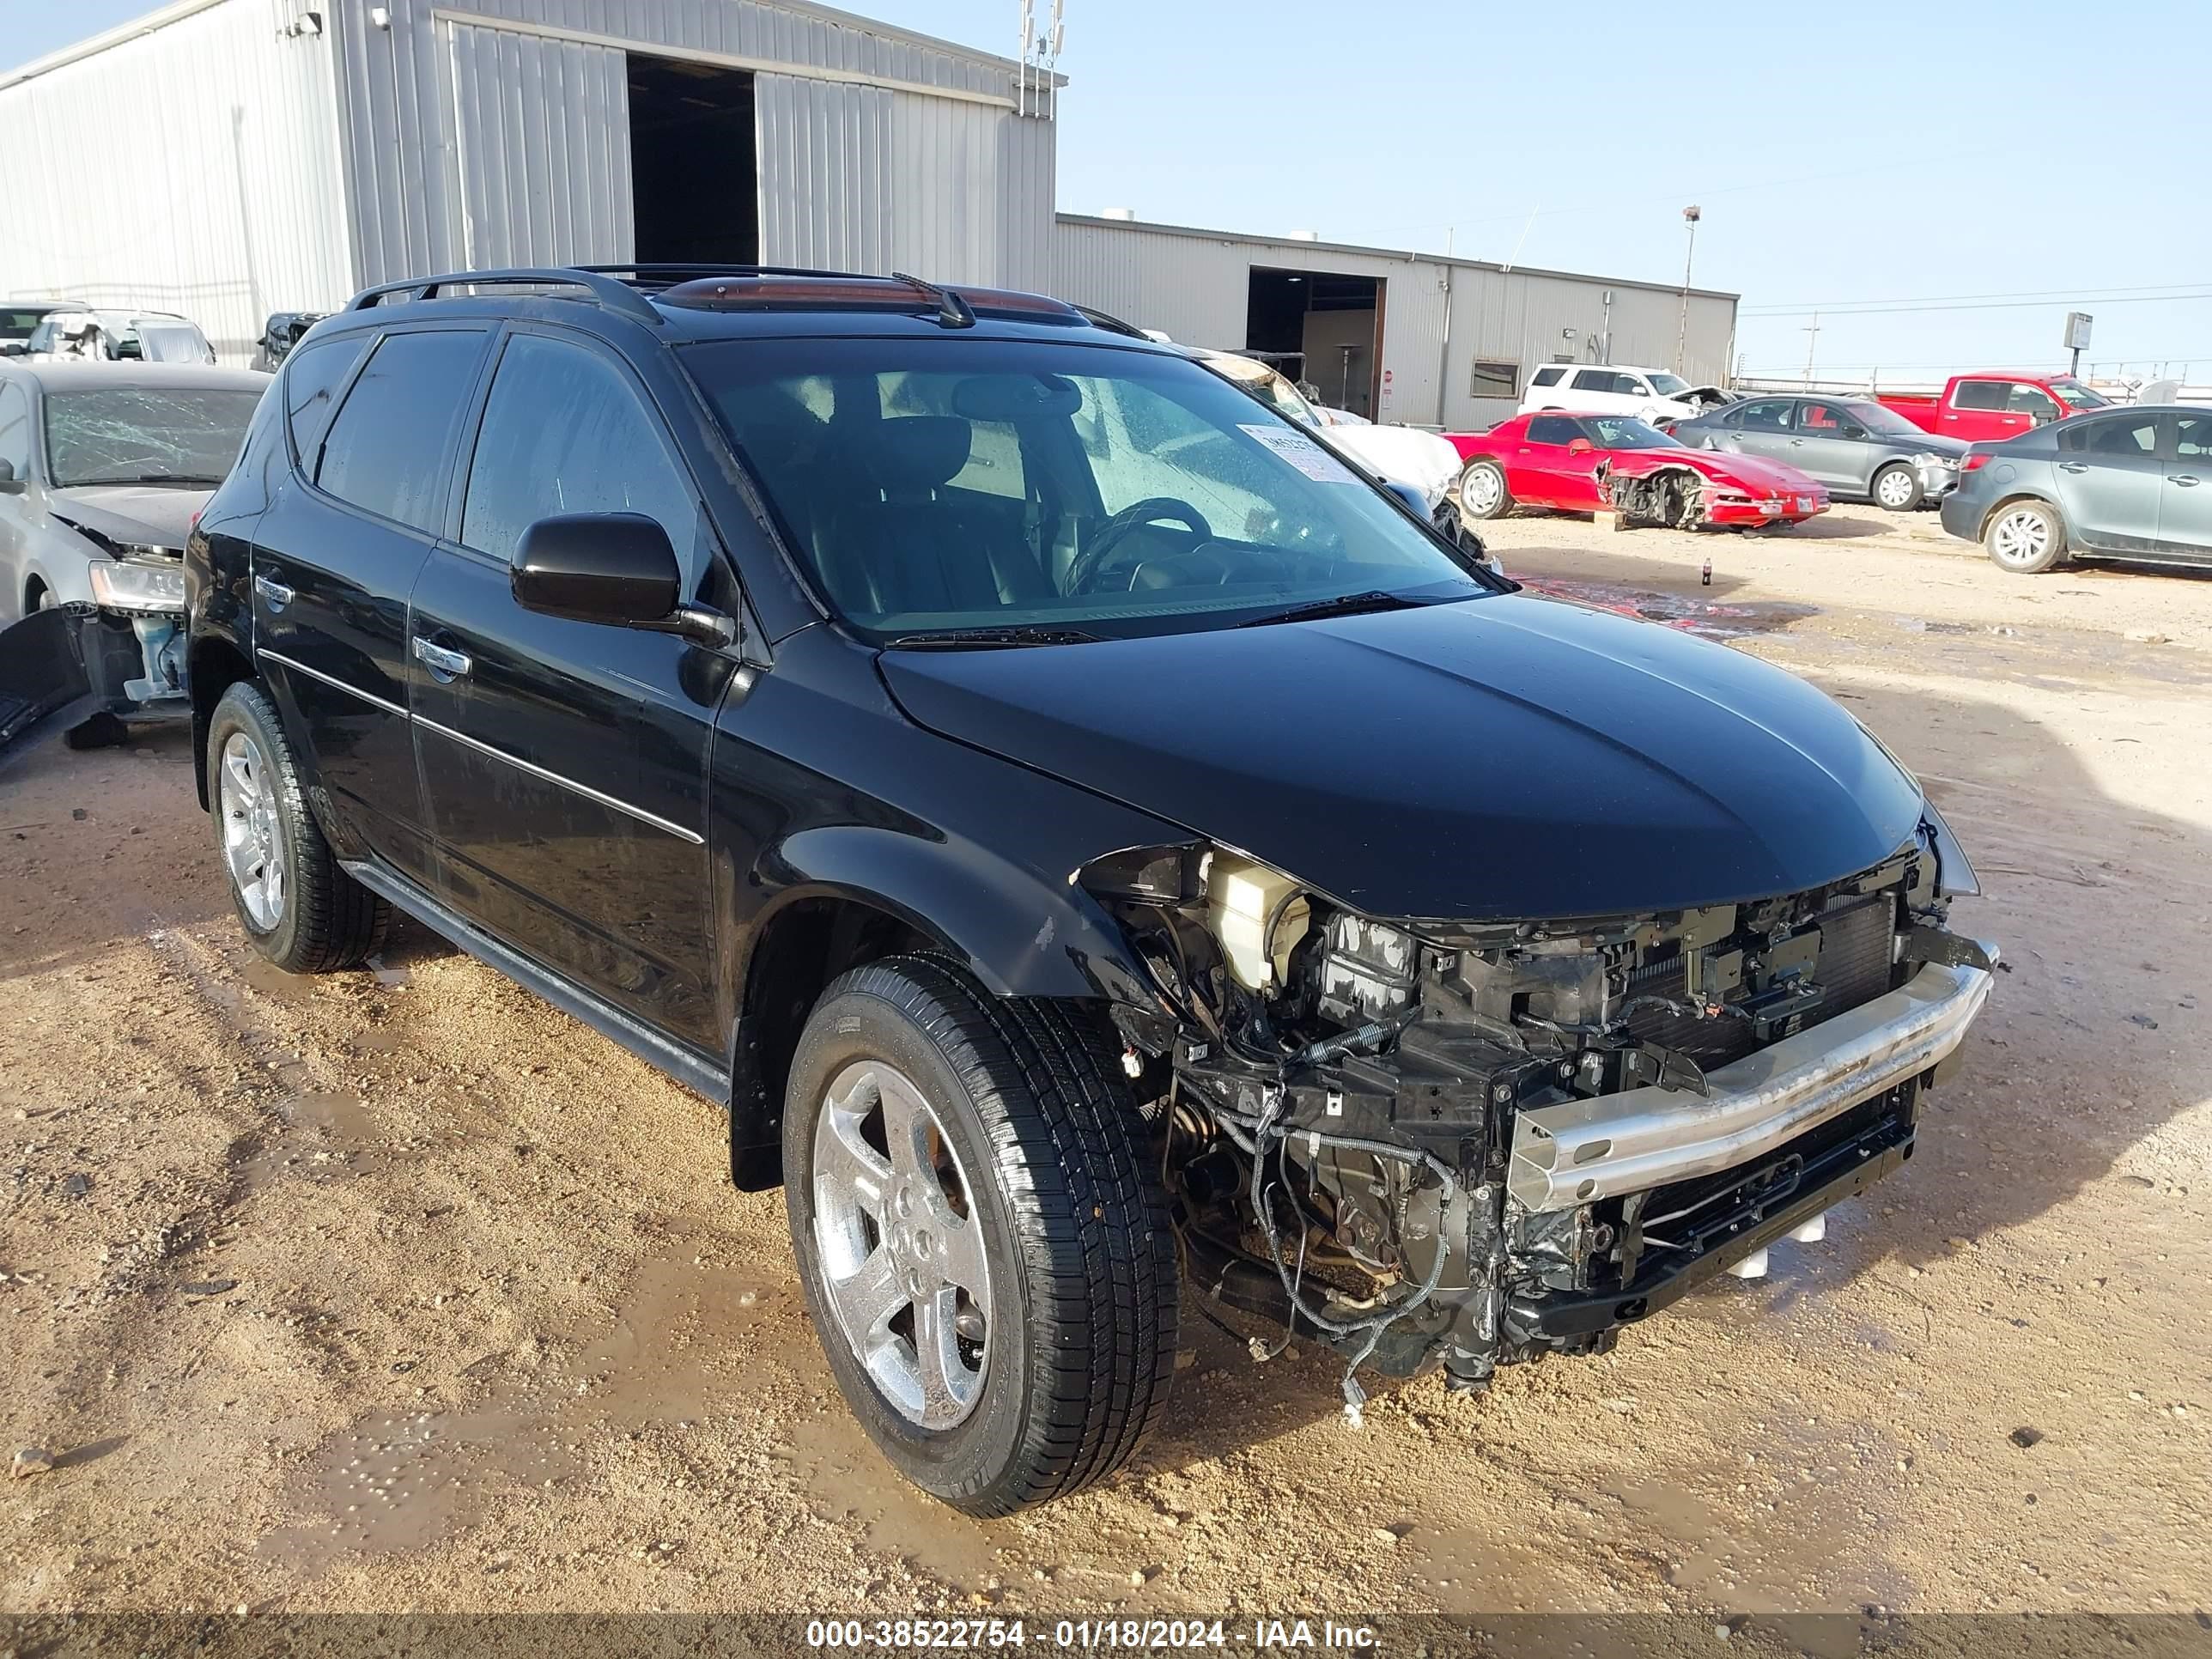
column 903, row 547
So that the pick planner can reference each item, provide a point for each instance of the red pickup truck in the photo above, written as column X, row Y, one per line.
column 1992, row 404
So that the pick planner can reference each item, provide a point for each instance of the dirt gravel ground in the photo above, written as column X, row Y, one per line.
column 398, row 1290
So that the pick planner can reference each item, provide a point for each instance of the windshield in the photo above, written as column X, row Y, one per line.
column 1626, row 432
column 2078, row 395
column 170, row 342
column 934, row 485
column 1279, row 395
column 1667, row 386
column 141, row 434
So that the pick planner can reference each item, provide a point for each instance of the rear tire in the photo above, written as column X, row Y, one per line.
column 1482, row 491
column 1033, row 1177
column 1897, row 487
column 2026, row 537
column 299, row 909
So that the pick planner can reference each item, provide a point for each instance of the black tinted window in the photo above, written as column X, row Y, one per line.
column 1595, row 380
column 2194, row 439
column 313, row 379
column 1766, row 414
column 1552, row 429
column 564, row 433
column 1549, row 376
column 386, row 450
column 2119, row 436
column 1981, row 394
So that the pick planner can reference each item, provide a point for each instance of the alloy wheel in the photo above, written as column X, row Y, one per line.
column 902, row 1248
column 252, row 834
column 1480, row 489
column 2022, row 536
column 1896, row 488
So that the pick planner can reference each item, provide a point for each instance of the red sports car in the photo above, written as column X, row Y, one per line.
column 1586, row 463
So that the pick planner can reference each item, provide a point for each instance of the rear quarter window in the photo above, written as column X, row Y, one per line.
column 1549, row 375
column 313, row 378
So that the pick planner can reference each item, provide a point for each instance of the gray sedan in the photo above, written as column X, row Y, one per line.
column 2123, row 484
column 1852, row 444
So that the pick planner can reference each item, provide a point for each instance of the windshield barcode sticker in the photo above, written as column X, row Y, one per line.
column 1301, row 452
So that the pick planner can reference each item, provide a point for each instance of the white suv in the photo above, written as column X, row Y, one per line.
column 1610, row 389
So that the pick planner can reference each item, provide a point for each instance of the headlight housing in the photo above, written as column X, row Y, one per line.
column 137, row 585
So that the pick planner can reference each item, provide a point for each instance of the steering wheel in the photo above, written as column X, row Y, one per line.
column 1150, row 510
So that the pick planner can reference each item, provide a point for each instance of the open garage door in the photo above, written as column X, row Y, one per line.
column 1323, row 329
column 694, row 173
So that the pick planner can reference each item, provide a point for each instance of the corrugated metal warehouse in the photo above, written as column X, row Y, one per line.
column 1418, row 338
column 230, row 158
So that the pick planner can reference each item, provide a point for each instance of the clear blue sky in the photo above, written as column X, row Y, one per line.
column 2035, row 154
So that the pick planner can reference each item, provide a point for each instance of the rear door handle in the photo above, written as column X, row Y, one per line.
column 277, row 595
column 1797, row 443
column 444, row 664
column 2184, row 480
column 2073, row 466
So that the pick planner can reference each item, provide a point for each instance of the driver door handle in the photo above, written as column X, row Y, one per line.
column 2073, row 466
column 2184, row 479
column 445, row 664
column 277, row 595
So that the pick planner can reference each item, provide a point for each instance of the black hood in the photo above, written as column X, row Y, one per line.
column 1505, row 758
column 151, row 515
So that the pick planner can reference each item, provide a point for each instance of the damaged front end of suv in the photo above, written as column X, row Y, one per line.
column 1428, row 1142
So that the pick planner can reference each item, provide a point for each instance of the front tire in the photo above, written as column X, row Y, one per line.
column 985, row 1246
column 1897, row 487
column 299, row 909
column 1482, row 491
column 2026, row 537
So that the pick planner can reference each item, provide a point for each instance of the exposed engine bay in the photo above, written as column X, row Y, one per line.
column 1472, row 1145
column 1668, row 497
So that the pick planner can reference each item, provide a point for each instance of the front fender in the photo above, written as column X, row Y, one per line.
column 1022, row 931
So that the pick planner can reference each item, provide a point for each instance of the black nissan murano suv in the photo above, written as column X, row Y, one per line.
column 1089, row 834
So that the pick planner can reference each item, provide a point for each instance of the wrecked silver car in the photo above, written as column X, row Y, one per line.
column 103, row 468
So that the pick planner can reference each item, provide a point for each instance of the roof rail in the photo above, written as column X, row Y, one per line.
column 604, row 289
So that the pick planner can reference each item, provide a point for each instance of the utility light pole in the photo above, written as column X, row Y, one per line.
column 1690, row 216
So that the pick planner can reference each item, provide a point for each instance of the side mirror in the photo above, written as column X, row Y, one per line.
column 616, row 569
column 9, row 483
column 13, row 348
column 1416, row 502
column 1579, row 447
column 1854, row 432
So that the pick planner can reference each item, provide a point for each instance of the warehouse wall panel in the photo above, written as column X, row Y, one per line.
column 877, row 146
column 193, row 168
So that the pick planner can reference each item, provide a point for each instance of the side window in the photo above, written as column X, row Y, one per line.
column 1766, row 414
column 1823, row 420
column 1981, row 394
column 1596, row 380
column 386, row 450
column 1553, row 429
column 2024, row 399
column 2119, row 436
column 2193, row 437
column 16, row 431
column 563, row 432
column 1550, row 374
column 312, row 380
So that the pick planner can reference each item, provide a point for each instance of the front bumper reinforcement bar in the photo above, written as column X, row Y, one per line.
column 1610, row 1145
